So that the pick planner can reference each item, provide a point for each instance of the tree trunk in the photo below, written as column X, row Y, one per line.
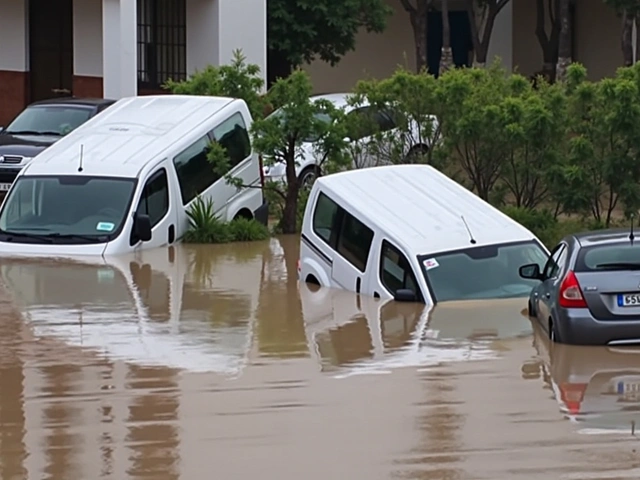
column 446, row 56
column 482, row 16
column 548, row 43
column 637, row 24
column 564, row 42
column 418, row 17
column 290, row 213
column 626, row 39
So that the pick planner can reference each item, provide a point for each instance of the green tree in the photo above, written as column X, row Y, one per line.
column 301, row 30
column 279, row 136
column 474, row 122
column 603, row 170
column 536, row 130
column 236, row 80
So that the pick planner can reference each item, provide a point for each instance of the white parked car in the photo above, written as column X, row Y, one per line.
column 361, row 149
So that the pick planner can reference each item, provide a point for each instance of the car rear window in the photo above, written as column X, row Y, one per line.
column 590, row 257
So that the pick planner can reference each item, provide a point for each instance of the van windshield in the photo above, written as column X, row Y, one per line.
column 65, row 209
column 487, row 272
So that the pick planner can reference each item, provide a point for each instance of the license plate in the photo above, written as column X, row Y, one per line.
column 4, row 187
column 629, row 300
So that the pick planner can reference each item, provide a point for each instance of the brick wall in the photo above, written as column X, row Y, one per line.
column 87, row 87
column 14, row 94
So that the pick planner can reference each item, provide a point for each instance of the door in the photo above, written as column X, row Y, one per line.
column 353, row 245
column 50, row 48
column 461, row 41
column 156, row 202
column 545, row 291
column 394, row 273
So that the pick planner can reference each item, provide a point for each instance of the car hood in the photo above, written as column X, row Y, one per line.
column 25, row 145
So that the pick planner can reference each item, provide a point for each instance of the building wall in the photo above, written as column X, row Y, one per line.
column 87, row 54
column 14, row 79
column 601, row 53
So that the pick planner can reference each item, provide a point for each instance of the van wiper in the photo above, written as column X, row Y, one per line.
column 619, row 266
column 31, row 132
column 75, row 236
column 35, row 236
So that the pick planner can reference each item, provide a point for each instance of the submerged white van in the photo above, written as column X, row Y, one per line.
column 124, row 180
column 410, row 233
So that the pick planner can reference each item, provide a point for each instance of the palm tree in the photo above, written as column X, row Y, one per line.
column 446, row 57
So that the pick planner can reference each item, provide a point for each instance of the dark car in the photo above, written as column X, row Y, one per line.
column 38, row 126
column 589, row 290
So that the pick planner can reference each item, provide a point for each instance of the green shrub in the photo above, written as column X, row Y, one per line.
column 206, row 227
column 247, row 230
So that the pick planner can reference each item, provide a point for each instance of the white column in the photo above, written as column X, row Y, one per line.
column 213, row 32
column 87, row 34
column 119, row 48
column 501, row 43
column 634, row 36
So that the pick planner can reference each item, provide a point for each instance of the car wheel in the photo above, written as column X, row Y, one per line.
column 308, row 176
column 416, row 153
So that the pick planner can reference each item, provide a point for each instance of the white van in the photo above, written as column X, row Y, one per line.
column 410, row 233
column 124, row 180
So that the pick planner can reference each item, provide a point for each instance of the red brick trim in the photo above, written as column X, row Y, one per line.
column 87, row 87
column 14, row 94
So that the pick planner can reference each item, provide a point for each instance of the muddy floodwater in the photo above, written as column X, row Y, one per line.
column 214, row 363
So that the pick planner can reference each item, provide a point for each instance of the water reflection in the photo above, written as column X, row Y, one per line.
column 350, row 334
column 187, row 307
column 153, row 436
column 596, row 387
column 12, row 415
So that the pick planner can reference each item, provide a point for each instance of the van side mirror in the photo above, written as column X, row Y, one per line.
column 405, row 295
column 142, row 227
column 530, row 271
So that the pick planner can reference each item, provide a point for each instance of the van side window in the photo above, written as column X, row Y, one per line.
column 154, row 200
column 195, row 172
column 324, row 217
column 233, row 136
column 342, row 231
column 354, row 241
column 395, row 270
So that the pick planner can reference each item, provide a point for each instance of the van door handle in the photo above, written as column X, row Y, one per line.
column 376, row 295
column 358, row 285
column 548, row 295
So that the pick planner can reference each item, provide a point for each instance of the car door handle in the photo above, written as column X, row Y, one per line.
column 547, row 295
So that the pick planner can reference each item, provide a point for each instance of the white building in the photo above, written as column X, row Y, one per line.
column 117, row 48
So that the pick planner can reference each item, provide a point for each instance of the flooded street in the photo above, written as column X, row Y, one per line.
column 213, row 362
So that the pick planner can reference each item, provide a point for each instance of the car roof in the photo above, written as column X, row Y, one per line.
column 421, row 208
column 129, row 135
column 94, row 102
column 338, row 99
column 603, row 237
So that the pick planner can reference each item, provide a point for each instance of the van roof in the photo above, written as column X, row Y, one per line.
column 132, row 132
column 420, row 208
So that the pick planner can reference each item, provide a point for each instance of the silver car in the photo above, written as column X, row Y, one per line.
column 589, row 290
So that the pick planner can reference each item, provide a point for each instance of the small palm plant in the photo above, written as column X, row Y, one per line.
column 204, row 225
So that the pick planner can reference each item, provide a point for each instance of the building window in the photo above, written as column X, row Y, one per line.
column 162, row 42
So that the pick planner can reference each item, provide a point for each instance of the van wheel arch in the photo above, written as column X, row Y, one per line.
column 244, row 213
column 312, row 280
column 416, row 151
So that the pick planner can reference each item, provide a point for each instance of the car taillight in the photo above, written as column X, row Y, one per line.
column 261, row 170
column 570, row 293
column 572, row 395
